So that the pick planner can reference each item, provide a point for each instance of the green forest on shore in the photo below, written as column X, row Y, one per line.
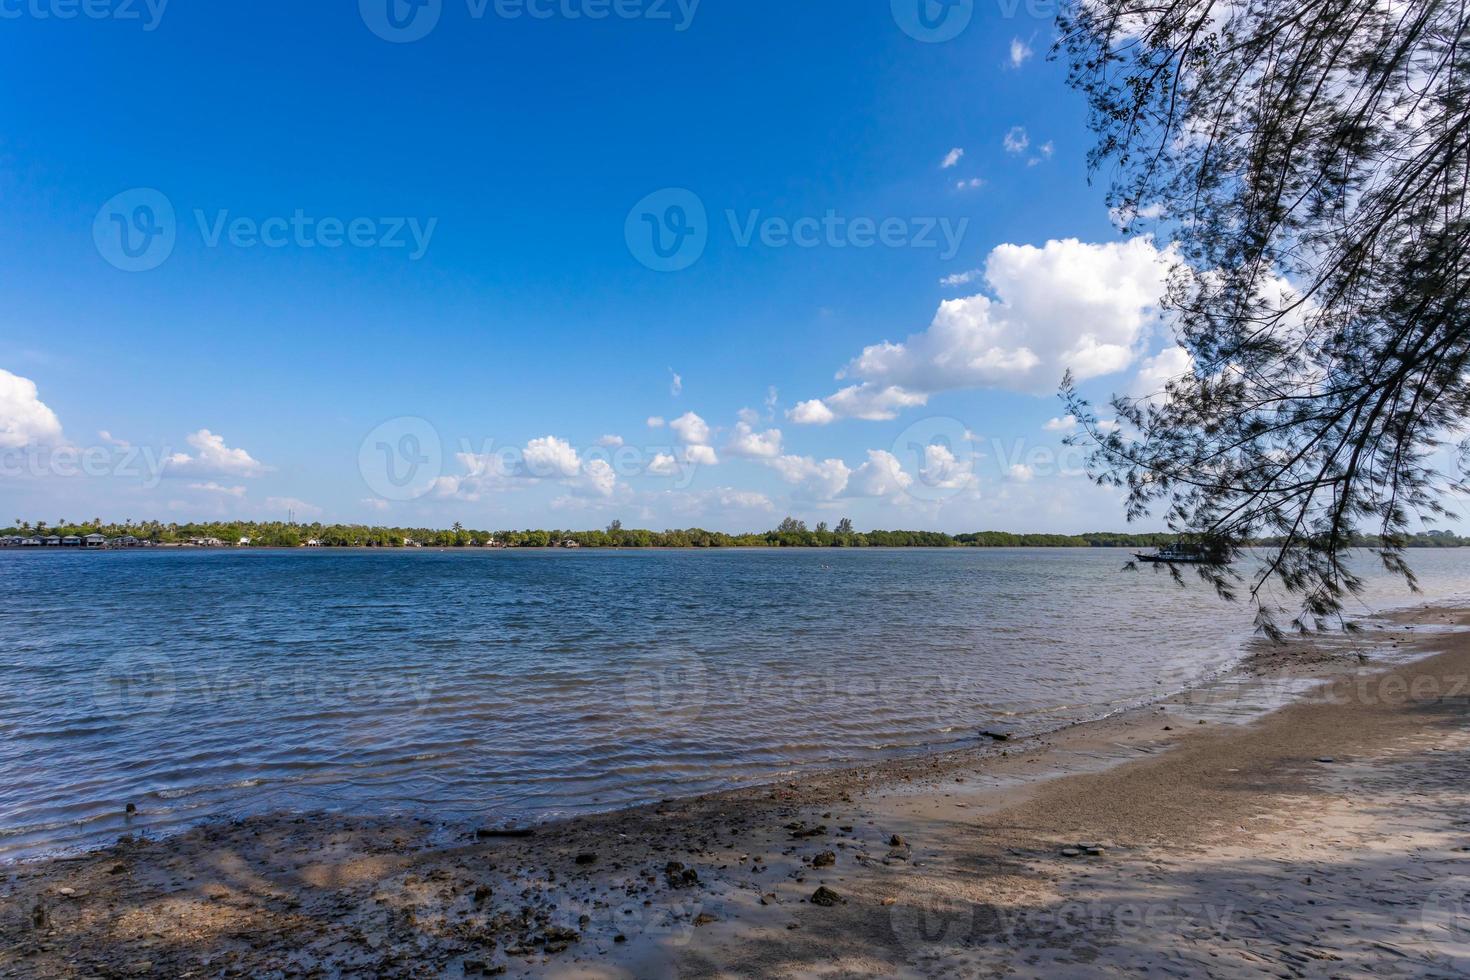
column 790, row 533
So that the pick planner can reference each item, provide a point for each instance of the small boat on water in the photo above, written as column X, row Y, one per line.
column 1180, row 554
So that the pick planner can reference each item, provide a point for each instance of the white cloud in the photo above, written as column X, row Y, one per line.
column 550, row 457
column 1044, row 152
column 749, row 443
column 663, row 465
column 546, row 458
column 596, row 480
column 24, row 418
column 773, row 398
column 974, row 183
column 212, row 487
column 873, row 402
column 610, row 441
column 823, row 481
column 813, row 412
column 108, row 438
column 1016, row 140
column 962, row 278
column 1156, row 372
column 213, row 458
column 700, row 456
column 1124, row 217
column 881, row 476
column 1065, row 305
column 374, row 503
column 691, row 429
column 1067, row 423
column 1020, row 51
column 300, row 507
column 656, row 422
column 1108, row 425
column 952, row 158
column 943, row 471
column 676, row 383
column 1021, row 473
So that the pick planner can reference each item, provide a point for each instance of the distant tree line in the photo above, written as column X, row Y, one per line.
column 790, row 533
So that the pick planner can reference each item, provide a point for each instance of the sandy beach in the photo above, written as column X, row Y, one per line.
column 1215, row 833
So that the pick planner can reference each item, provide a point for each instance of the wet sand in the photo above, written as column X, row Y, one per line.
column 1204, row 835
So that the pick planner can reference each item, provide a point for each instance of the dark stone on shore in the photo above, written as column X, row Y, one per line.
column 482, row 894
column 705, row 918
column 620, row 938
column 586, row 859
column 897, row 841
column 824, row 860
column 996, row 736
column 485, row 833
column 131, row 808
column 825, row 897
column 679, row 876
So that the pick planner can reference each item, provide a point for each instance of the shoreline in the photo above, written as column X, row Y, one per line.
column 291, row 893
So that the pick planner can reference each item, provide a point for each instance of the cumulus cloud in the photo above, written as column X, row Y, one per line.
column 24, row 418
column 300, row 507
column 211, row 457
column 1021, row 473
column 610, row 442
column 663, row 465
column 213, row 487
column 942, row 470
column 974, row 183
column 700, row 456
column 548, row 458
column 1067, row 423
column 1067, row 305
column 676, row 383
column 813, row 412
column 749, row 443
column 597, row 479
column 952, row 158
column 718, row 501
column 962, row 278
column 870, row 401
column 881, row 476
column 1020, row 52
column 1155, row 373
column 655, row 421
column 1124, row 217
column 821, row 481
column 691, row 429
column 1016, row 141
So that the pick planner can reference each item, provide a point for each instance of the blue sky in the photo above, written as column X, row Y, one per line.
column 403, row 279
